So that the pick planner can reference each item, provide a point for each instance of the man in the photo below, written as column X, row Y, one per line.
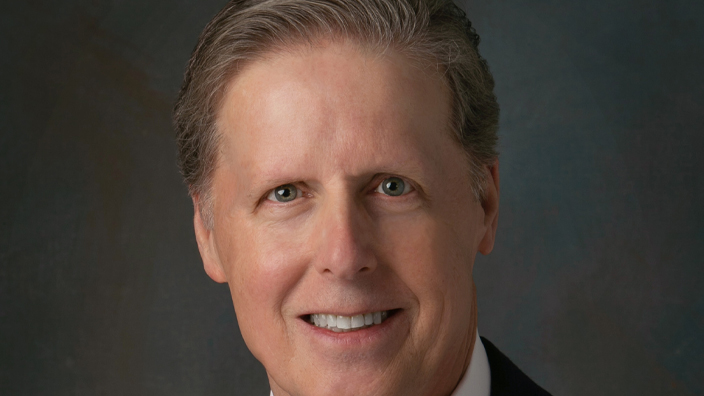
column 341, row 159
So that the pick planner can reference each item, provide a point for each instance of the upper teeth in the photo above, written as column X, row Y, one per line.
column 339, row 323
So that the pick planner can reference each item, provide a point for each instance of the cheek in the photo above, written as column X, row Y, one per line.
column 265, row 268
column 430, row 254
column 433, row 255
column 262, row 270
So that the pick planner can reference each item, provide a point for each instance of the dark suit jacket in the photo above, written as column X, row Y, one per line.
column 506, row 378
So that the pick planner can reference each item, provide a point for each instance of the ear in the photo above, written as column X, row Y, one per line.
column 206, row 246
column 490, row 204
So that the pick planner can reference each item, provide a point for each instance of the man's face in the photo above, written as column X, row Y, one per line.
column 339, row 191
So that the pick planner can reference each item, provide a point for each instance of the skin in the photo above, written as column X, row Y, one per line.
column 336, row 121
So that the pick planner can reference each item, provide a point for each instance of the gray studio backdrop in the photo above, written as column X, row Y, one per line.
column 594, row 287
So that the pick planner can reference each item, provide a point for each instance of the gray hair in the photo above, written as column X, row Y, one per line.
column 433, row 31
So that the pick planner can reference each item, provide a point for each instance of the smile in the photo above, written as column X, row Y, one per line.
column 340, row 323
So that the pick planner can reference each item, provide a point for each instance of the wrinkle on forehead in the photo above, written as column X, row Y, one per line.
column 323, row 109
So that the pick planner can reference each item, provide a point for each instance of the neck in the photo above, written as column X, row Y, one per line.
column 472, row 337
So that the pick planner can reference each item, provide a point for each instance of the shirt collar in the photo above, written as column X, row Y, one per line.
column 477, row 378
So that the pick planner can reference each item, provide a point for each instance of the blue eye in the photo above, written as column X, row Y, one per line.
column 393, row 186
column 284, row 193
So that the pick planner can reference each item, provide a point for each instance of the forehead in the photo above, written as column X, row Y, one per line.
column 335, row 105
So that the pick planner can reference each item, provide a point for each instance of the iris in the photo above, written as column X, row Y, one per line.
column 285, row 193
column 393, row 186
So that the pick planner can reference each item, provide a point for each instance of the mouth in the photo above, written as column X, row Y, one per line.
column 344, row 324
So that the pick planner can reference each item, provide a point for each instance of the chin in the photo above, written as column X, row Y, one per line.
column 349, row 382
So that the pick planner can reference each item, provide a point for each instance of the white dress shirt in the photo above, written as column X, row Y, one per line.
column 477, row 379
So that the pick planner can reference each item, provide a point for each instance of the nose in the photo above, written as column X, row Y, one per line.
column 344, row 241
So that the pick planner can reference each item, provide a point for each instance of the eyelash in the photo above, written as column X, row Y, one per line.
column 271, row 195
column 408, row 188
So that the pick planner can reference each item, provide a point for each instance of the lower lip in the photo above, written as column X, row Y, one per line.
column 360, row 337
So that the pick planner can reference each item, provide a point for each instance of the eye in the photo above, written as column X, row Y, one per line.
column 393, row 186
column 284, row 193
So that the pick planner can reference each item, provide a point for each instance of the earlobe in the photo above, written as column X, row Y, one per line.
column 490, row 204
column 206, row 246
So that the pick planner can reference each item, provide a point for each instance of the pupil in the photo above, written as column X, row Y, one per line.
column 393, row 186
column 286, row 193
